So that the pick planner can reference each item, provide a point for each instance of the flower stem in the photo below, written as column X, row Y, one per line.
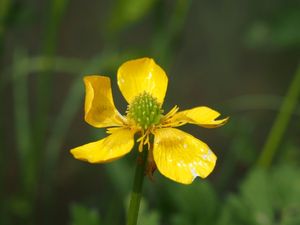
column 136, row 194
column 281, row 122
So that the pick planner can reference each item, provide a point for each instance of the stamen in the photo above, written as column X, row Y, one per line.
column 144, row 140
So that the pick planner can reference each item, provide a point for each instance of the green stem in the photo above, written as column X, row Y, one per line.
column 23, row 137
column 281, row 122
column 136, row 194
column 45, row 85
column 22, row 122
column 167, row 33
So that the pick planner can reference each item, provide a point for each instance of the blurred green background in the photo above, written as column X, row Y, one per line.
column 239, row 57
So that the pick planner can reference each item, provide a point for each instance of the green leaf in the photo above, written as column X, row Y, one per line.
column 196, row 204
column 126, row 12
column 146, row 215
column 80, row 215
column 265, row 198
column 281, row 31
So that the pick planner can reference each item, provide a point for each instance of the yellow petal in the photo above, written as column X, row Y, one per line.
column 100, row 110
column 137, row 76
column 119, row 143
column 202, row 116
column 180, row 156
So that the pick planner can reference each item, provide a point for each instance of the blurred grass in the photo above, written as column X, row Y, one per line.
column 257, row 102
column 265, row 197
column 281, row 122
column 168, row 29
column 22, row 122
column 5, row 6
column 237, row 194
column 4, row 11
column 45, row 85
column 27, row 158
column 64, row 119
column 127, row 12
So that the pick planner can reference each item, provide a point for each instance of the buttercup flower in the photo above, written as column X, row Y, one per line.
column 176, row 154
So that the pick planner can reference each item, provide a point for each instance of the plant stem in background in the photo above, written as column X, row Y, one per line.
column 21, row 120
column 45, row 85
column 167, row 34
column 44, row 81
column 136, row 194
column 61, row 124
column 5, row 6
column 26, row 156
column 281, row 122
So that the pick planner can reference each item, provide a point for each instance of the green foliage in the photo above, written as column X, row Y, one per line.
column 126, row 12
column 36, row 168
column 282, row 31
column 148, row 216
column 4, row 9
column 80, row 215
column 265, row 197
column 196, row 204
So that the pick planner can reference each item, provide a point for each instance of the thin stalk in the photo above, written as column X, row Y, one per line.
column 22, row 122
column 5, row 6
column 26, row 157
column 136, row 194
column 167, row 34
column 281, row 122
column 41, row 64
column 45, row 80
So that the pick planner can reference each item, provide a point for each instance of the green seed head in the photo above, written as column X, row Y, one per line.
column 144, row 110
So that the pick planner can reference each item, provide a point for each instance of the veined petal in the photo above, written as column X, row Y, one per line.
column 142, row 75
column 202, row 116
column 119, row 143
column 100, row 110
column 180, row 156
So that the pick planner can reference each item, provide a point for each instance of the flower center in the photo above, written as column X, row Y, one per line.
column 144, row 110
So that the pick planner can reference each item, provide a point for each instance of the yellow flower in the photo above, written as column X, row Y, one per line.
column 176, row 154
